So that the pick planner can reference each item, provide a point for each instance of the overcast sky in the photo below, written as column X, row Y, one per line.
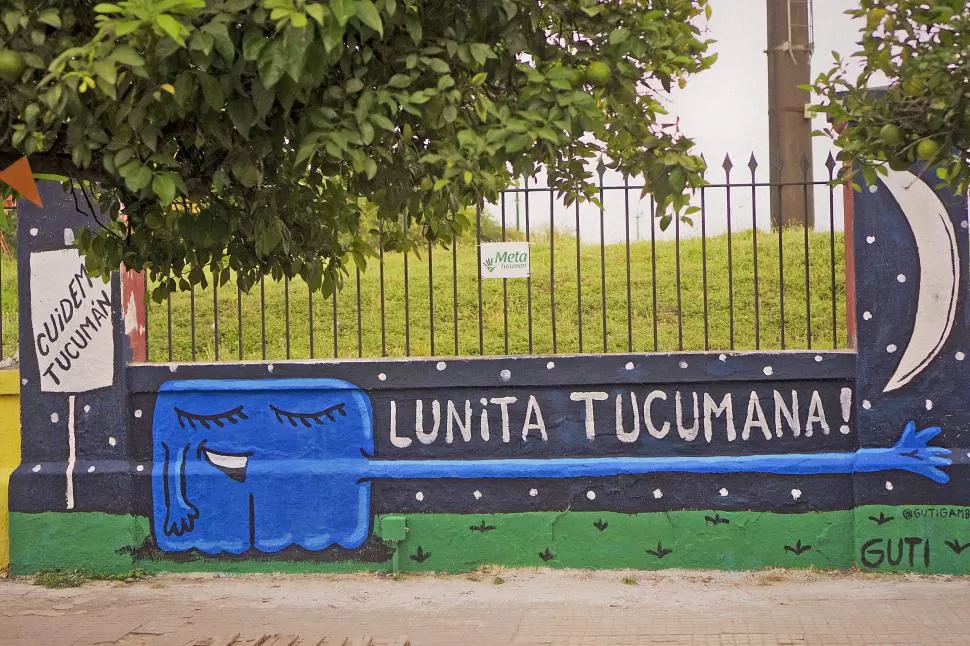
column 725, row 110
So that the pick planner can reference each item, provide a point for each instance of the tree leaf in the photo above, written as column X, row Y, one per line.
column 271, row 64
column 212, row 92
column 164, row 187
column 370, row 16
column 172, row 27
column 343, row 10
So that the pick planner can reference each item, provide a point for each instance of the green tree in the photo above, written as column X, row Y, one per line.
column 918, row 54
column 247, row 136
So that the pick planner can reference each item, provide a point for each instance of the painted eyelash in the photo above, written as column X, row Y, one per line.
column 219, row 419
column 284, row 416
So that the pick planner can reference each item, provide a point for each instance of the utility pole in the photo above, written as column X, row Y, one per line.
column 790, row 44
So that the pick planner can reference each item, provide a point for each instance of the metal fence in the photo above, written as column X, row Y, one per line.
column 604, row 278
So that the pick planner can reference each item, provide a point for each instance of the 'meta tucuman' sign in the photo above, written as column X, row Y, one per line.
column 505, row 260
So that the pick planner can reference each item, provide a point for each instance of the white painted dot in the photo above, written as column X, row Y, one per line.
column 477, row 494
column 768, row 370
column 173, row 368
column 867, row 315
column 929, row 404
column 629, row 365
column 483, row 401
column 419, row 496
column 964, row 224
column 87, row 408
column 34, row 231
column 682, row 364
column 891, row 348
column 270, row 367
column 889, row 485
column 874, row 188
column 591, row 495
column 658, row 494
column 505, row 375
column 533, row 492
column 722, row 357
column 866, row 404
column 36, row 468
column 140, row 468
column 138, row 413
column 550, row 365
column 112, row 441
column 23, row 382
column 959, row 356
column 870, row 239
column 796, row 494
column 91, row 469
column 68, row 237
column 723, row 492
column 818, row 358
column 441, row 366
column 381, row 377
column 844, row 429
column 901, row 278
column 54, row 418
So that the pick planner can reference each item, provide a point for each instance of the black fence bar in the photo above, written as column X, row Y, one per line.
column 753, row 165
column 728, row 165
column 286, row 315
column 171, row 352
column 239, row 322
column 552, row 271
column 192, row 320
column 600, row 170
column 333, row 301
column 830, row 165
column 431, row 295
column 505, row 281
column 808, row 260
column 262, row 316
column 707, row 322
column 688, row 283
column 478, row 272
column 310, row 330
column 653, row 272
column 215, row 314
column 579, row 279
column 380, row 246
column 528, row 280
column 454, row 288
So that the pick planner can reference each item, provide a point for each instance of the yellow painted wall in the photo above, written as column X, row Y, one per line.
column 9, row 451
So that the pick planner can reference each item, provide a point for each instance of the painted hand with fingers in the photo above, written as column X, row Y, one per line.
column 912, row 452
column 180, row 514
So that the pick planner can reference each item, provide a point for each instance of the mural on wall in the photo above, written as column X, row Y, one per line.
column 734, row 460
column 266, row 464
column 911, row 255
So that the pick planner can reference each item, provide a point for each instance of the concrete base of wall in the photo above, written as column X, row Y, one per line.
column 875, row 538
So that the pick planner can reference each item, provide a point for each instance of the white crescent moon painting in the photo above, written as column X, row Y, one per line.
column 939, row 279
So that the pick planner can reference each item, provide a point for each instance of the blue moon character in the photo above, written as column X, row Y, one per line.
column 248, row 464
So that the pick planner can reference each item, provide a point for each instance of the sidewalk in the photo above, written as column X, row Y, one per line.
column 521, row 607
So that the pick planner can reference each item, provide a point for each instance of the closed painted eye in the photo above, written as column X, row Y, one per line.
column 206, row 421
column 308, row 419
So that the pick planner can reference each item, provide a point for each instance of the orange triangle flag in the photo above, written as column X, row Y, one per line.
column 21, row 179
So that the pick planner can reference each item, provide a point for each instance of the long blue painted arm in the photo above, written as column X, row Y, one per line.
column 910, row 453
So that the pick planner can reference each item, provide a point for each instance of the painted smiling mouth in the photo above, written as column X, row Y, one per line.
column 233, row 465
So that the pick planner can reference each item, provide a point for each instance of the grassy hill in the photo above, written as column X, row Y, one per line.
column 408, row 316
